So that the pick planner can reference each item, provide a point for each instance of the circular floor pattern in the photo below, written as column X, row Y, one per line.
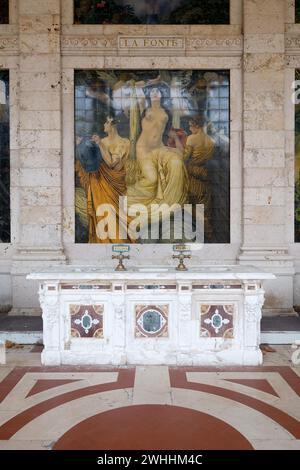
column 152, row 427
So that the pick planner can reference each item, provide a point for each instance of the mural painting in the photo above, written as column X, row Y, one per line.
column 155, row 139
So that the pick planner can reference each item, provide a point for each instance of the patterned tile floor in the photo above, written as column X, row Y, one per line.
column 153, row 407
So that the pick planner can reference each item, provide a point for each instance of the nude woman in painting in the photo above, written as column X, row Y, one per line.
column 163, row 177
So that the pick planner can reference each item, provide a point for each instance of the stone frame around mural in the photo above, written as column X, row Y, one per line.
column 96, row 46
column 71, row 62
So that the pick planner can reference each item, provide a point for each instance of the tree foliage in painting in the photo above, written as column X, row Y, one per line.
column 196, row 12
column 154, row 12
column 110, row 12
column 4, row 7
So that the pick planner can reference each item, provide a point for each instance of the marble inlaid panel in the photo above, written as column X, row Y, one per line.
column 86, row 321
column 217, row 321
column 151, row 321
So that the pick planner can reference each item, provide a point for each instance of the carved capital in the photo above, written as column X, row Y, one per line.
column 253, row 306
column 47, row 301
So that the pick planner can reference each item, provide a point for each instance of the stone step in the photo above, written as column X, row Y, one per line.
column 21, row 329
column 281, row 329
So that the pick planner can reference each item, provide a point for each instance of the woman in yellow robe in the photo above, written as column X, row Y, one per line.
column 106, row 186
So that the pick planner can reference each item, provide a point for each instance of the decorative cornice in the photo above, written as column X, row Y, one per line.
column 147, row 45
column 292, row 44
column 9, row 45
column 292, row 61
column 79, row 45
column 231, row 45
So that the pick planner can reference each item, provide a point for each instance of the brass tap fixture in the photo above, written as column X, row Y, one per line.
column 120, row 257
column 182, row 256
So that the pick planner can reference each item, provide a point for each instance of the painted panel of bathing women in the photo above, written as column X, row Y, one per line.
column 151, row 12
column 152, row 150
column 4, row 159
column 4, row 7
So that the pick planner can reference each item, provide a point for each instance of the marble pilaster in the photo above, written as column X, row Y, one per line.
column 39, row 143
column 265, row 166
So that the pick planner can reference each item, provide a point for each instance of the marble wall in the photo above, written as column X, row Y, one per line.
column 41, row 48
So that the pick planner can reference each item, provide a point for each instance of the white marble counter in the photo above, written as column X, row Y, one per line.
column 208, row 315
column 234, row 272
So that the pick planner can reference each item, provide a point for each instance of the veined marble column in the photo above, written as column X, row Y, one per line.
column 265, row 163
column 39, row 189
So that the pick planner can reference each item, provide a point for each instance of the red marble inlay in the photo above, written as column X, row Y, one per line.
column 178, row 379
column 8, row 429
column 286, row 372
column 259, row 384
column 224, row 327
column 153, row 427
column 81, row 313
column 126, row 380
column 11, row 380
column 43, row 385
